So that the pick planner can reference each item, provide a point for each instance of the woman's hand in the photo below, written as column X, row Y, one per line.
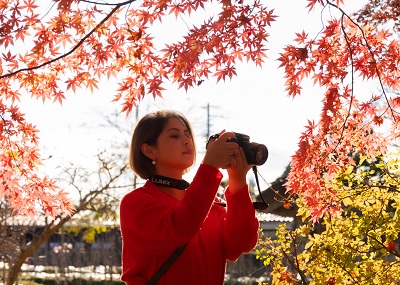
column 221, row 153
column 238, row 171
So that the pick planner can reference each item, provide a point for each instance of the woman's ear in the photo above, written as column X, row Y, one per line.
column 148, row 151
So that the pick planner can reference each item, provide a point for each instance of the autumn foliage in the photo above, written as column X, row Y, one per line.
column 358, row 246
column 47, row 52
column 345, row 174
column 350, row 122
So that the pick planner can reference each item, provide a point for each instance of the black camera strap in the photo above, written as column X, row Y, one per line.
column 258, row 205
column 167, row 264
column 169, row 182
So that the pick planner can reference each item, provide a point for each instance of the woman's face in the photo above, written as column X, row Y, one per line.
column 174, row 151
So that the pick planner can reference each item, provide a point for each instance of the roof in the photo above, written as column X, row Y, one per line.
column 268, row 217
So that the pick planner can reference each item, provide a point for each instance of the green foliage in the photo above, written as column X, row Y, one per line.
column 360, row 245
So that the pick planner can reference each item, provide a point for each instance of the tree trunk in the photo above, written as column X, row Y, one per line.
column 28, row 250
column 49, row 229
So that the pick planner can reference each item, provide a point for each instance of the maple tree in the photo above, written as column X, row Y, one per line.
column 358, row 246
column 380, row 12
column 74, row 44
column 349, row 208
column 349, row 123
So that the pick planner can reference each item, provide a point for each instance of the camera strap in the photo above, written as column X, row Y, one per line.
column 167, row 264
column 169, row 182
column 258, row 205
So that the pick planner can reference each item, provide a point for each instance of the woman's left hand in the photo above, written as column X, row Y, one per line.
column 237, row 171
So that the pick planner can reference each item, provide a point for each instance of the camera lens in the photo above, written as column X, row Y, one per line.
column 261, row 154
column 256, row 154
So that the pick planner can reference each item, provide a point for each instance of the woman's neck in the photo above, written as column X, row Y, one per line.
column 176, row 193
column 168, row 171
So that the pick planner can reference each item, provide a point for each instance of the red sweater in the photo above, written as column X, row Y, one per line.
column 154, row 224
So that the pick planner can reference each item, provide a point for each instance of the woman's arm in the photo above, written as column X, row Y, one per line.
column 241, row 225
column 167, row 222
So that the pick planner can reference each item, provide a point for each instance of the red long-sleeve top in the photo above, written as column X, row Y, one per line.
column 154, row 224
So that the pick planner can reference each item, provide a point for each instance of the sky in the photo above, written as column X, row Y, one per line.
column 254, row 103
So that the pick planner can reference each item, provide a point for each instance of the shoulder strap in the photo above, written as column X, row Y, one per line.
column 166, row 265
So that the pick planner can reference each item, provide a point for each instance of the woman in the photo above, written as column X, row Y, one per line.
column 167, row 213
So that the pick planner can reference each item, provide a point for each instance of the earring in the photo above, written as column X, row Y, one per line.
column 153, row 162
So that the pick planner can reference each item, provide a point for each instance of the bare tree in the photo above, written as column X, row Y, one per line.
column 25, row 237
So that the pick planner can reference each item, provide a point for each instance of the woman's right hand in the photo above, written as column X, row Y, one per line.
column 220, row 151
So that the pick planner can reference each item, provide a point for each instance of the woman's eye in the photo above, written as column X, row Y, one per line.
column 176, row 136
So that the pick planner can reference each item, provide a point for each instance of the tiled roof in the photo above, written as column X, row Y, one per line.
column 268, row 217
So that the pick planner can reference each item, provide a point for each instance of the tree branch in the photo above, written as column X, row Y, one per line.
column 378, row 74
column 117, row 6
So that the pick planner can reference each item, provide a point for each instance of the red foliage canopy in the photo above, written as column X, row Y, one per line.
column 78, row 43
column 347, row 125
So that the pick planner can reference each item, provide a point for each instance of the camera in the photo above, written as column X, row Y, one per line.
column 256, row 153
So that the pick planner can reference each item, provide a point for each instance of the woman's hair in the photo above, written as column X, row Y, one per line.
column 147, row 131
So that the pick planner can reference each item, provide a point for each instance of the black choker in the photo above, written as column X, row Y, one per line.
column 169, row 182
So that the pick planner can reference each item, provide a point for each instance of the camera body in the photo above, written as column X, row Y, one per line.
column 256, row 153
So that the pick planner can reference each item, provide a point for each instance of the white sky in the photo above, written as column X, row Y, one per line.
column 253, row 103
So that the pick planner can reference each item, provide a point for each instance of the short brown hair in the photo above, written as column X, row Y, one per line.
column 147, row 131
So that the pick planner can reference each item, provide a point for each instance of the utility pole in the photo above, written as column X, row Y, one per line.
column 208, row 121
column 209, row 117
column 135, row 176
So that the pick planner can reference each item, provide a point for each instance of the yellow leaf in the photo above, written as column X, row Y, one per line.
column 347, row 201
